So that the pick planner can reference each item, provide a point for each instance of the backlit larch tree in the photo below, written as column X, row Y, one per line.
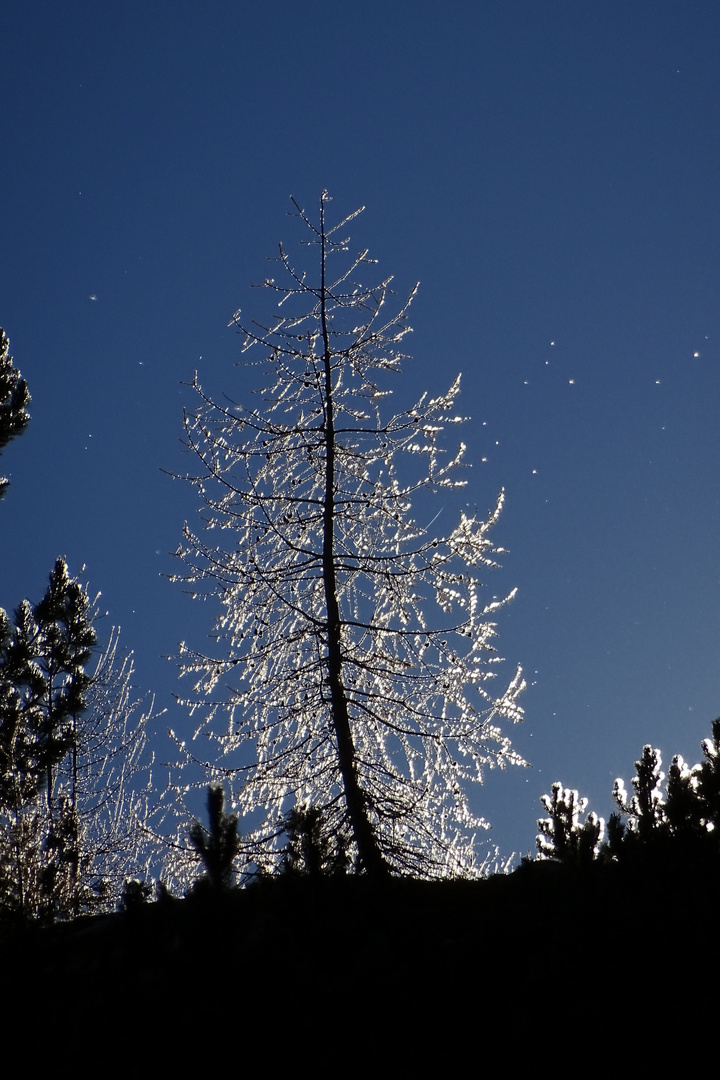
column 354, row 669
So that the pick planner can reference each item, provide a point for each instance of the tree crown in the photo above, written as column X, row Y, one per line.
column 355, row 662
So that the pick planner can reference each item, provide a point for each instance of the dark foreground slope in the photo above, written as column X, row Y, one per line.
column 433, row 974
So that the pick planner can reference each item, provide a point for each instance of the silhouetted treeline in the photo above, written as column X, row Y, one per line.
column 667, row 818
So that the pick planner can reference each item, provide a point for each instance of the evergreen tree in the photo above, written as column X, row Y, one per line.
column 43, row 684
column 683, row 809
column 680, row 820
column 64, row 638
column 692, row 807
column 20, row 772
column 645, row 810
column 708, row 778
column 217, row 845
column 616, row 833
column 14, row 401
column 562, row 835
column 309, row 851
column 356, row 653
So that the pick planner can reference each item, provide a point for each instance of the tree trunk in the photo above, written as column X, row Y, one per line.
column 370, row 856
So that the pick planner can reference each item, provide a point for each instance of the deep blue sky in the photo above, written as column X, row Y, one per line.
column 549, row 172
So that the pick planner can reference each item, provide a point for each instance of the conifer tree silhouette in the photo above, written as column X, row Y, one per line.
column 218, row 844
column 708, row 778
column 43, row 685
column 14, row 401
column 562, row 835
column 310, row 851
column 645, row 809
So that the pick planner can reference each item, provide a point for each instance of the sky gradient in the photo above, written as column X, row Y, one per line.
column 548, row 172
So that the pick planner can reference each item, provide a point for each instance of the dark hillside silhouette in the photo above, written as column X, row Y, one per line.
column 323, row 970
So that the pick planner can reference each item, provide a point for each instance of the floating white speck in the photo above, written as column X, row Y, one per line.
column 571, row 381
column 696, row 354
column 93, row 297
